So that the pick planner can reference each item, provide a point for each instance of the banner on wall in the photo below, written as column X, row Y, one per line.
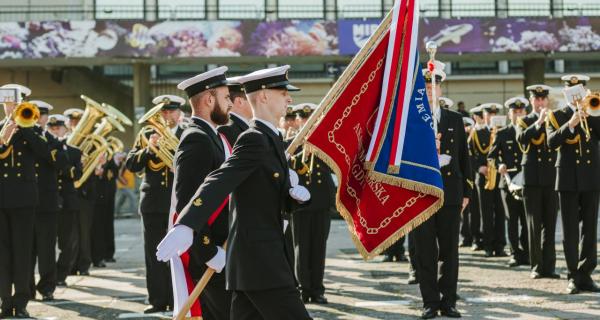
column 183, row 39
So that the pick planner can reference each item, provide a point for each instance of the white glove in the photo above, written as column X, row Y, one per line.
column 176, row 242
column 293, row 178
column 299, row 193
column 444, row 159
column 218, row 261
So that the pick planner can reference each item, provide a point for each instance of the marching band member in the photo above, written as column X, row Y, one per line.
column 311, row 221
column 19, row 148
column 240, row 113
column 577, row 176
column 155, row 201
column 46, row 215
column 539, row 175
column 507, row 154
column 490, row 201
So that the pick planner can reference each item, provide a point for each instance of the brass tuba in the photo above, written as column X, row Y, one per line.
column 25, row 115
column 115, row 145
column 92, row 114
column 167, row 144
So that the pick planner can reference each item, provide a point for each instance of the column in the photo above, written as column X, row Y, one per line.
column 141, row 89
column 533, row 72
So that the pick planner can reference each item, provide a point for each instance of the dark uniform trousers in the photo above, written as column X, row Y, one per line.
column 45, row 229
column 155, row 203
column 68, row 214
column 258, row 271
column 103, row 216
column 18, row 198
column 506, row 150
column 436, row 240
column 490, row 201
column 578, row 173
column 311, row 222
column 471, row 221
column 201, row 151
column 397, row 249
column 539, row 196
column 83, row 226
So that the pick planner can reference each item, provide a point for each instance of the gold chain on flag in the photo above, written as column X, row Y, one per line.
column 351, row 191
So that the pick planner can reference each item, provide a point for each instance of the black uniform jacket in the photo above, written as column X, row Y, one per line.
column 18, row 183
column 257, row 177
column 46, row 169
column 318, row 181
column 578, row 161
column 233, row 129
column 458, row 180
column 505, row 150
column 157, row 182
column 538, row 158
column 480, row 143
column 200, row 151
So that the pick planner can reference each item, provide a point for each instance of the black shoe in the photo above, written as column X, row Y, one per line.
column 388, row 258
column 305, row 298
column 320, row 299
column 477, row 246
column 99, row 264
column 412, row 279
column 590, row 287
column 21, row 313
column 500, row 253
column 84, row 273
column 488, row 253
column 429, row 313
column 513, row 263
column 450, row 312
column 111, row 260
column 6, row 313
column 153, row 309
column 551, row 275
column 61, row 283
column 465, row 244
column 535, row 275
column 47, row 296
column 572, row 288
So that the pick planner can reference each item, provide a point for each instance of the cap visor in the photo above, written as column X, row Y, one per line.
column 290, row 87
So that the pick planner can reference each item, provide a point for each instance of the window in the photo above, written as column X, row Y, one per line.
column 181, row 9
column 430, row 8
column 359, row 8
column 241, row 9
column 471, row 8
column 179, row 70
column 115, row 9
column 528, row 8
column 475, row 67
column 581, row 8
column 293, row 9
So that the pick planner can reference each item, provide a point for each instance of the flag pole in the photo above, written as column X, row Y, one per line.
column 197, row 290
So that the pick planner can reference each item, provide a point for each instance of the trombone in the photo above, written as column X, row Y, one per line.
column 590, row 104
column 25, row 115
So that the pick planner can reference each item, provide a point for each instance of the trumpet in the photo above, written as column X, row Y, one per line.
column 25, row 115
column 490, row 177
column 167, row 144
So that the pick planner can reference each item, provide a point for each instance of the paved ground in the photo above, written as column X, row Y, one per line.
column 355, row 289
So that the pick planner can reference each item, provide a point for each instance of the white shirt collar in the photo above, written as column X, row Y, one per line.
column 268, row 124
column 209, row 124
column 174, row 129
column 479, row 126
column 239, row 117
